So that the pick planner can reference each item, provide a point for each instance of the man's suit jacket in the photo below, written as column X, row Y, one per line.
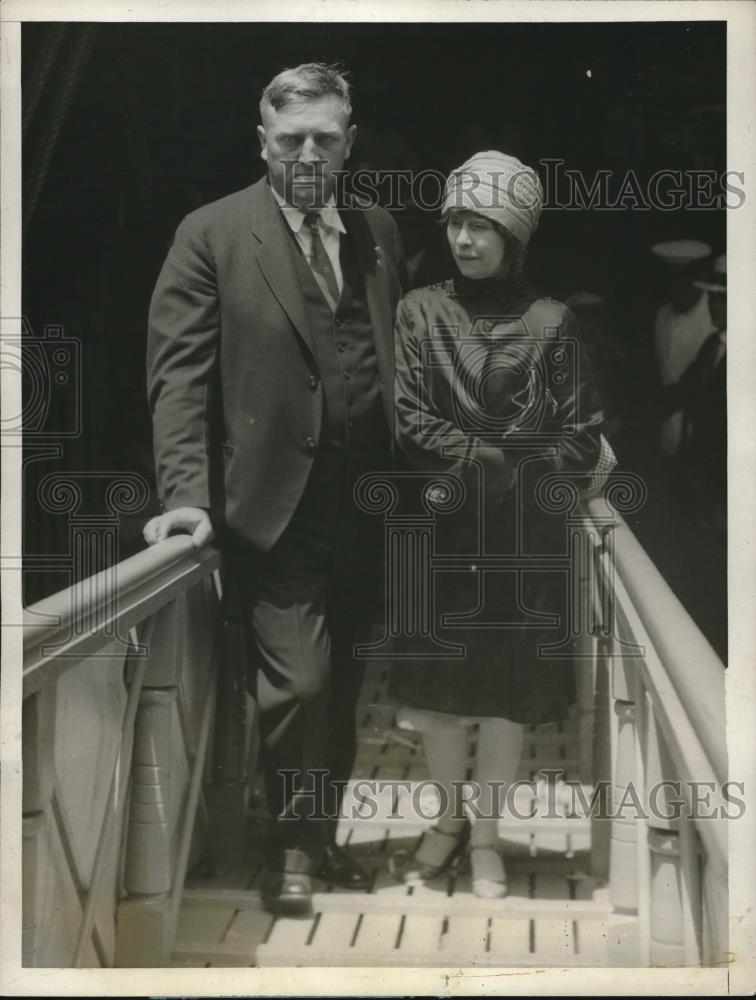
column 233, row 378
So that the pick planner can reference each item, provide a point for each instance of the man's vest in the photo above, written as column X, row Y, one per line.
column 354, row 436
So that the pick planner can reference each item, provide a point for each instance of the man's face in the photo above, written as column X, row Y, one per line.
column 305, row 145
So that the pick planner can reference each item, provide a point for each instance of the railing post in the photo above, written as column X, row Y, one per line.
column 666, row 945
column 143, row 919
column 601, row 767
column 586, row 641
column 228, row 794
column 692, row 892
column 623, row 851
column 144, row 931
column 603, row 744
column 715, row 915
column 667, row 927
column 38, row 739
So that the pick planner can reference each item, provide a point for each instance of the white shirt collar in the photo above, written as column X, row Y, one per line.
column 329, row 214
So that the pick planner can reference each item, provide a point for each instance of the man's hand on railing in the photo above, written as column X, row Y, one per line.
column 193, row 520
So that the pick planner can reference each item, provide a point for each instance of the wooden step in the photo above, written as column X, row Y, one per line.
column 553, row 914
column 428, row 903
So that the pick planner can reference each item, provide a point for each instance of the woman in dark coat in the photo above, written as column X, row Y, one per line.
column 494, row 391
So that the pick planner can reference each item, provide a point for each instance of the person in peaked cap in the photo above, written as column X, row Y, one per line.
column 700, row 400
column 715, row 280
column 681, row 325
column 680, row 253
column 705, row 414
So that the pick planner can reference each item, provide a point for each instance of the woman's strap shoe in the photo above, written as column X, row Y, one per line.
column 437, row 851
column 339, row 868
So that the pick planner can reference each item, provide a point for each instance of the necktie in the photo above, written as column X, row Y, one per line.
column 320, row 263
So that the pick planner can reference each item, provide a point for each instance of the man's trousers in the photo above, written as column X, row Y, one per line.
column 306, row 604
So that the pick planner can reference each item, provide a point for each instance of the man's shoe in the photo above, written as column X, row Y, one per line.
column 339, row 868
column 286, row 886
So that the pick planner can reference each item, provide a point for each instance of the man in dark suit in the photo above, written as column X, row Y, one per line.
column 270, row 375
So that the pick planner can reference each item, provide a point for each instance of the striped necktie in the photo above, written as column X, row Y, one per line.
column 320, row 262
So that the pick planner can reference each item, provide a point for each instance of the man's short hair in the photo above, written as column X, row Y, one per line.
column 306, row 82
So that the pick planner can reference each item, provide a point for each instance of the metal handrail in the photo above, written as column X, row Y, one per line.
column 77, row 621
column 695, row 670
column 665, row 725
column 119, row 614
column 692, row 759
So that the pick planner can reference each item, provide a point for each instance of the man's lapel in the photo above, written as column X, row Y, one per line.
column 377, row 292
column 276, row 259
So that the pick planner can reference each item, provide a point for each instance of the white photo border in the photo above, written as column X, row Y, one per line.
column 739, row 977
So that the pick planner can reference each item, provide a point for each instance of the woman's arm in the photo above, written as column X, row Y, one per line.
column 431, row 441
column 547, row 373
column 579, row 415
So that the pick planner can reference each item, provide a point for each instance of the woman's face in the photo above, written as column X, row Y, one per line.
column 476, row 245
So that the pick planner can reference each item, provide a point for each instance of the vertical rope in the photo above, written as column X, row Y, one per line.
column 33, row 90
column 54, row 119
